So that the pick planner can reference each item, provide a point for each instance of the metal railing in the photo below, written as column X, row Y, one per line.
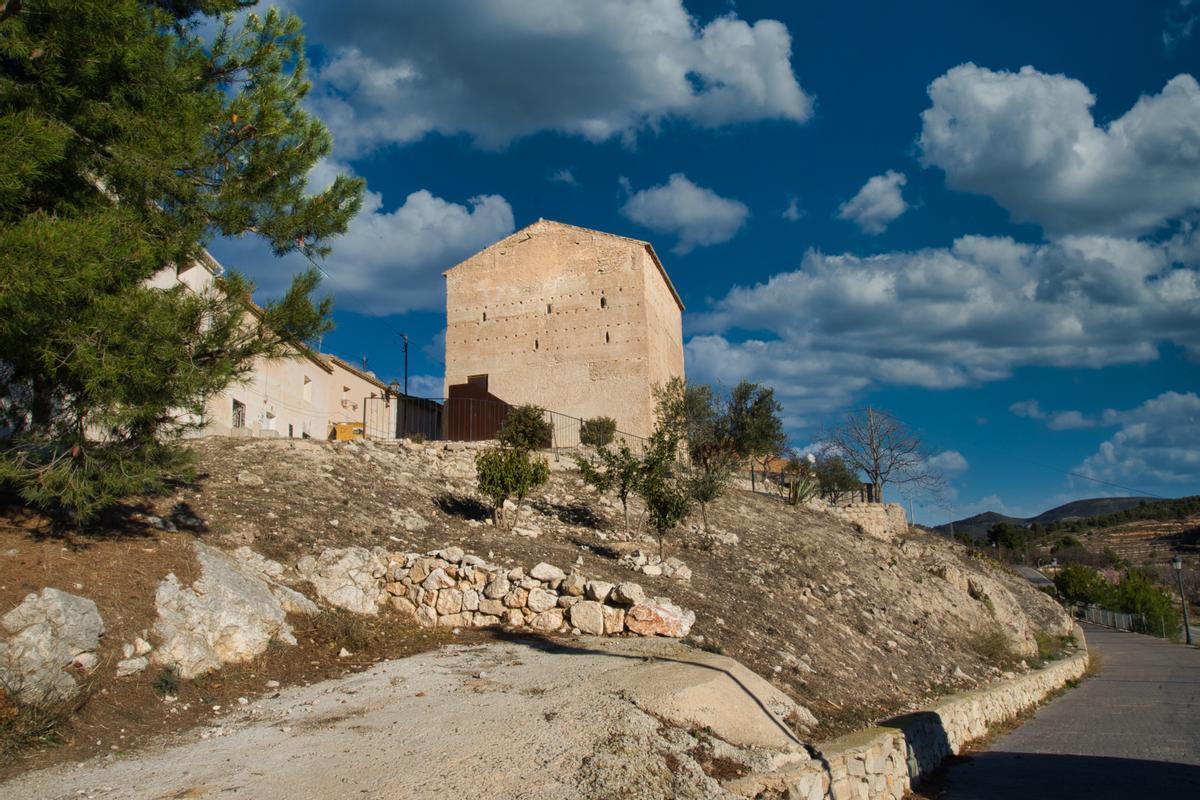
column 467, row 420
column 1122, row 621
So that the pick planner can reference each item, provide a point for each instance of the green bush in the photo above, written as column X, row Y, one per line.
column 526, row 428
column 509, row 472
column 598, row 431
column 1137, row 593
column 1079, row 583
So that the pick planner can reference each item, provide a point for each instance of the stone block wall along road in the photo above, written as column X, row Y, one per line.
column 884, row 762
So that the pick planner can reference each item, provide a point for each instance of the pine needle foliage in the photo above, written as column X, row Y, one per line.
column 135, row 134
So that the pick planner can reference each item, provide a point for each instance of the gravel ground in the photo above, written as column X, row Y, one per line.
column 527, row 718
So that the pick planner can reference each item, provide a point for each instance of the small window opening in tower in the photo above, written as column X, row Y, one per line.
column 535, row 344
column 606, row 339
column 485, row 316
column 549, row 308
column 603, row 301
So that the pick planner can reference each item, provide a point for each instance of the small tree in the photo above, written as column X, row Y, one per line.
column 754, row 428
column 707, row 479
column 617, row 470
column 509, row 472
column 598, row 431
column 526, row 428
column 837, row 481
column 884, row 449
column 660, row 484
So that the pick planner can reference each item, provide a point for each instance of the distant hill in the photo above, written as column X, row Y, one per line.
column 977, row 526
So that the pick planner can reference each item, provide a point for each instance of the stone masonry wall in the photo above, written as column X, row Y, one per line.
column 883, row 763
column 577, row 321
column 449, row 588
column 883, row 521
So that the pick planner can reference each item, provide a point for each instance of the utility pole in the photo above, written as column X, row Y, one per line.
column 1177, row 563
column 404, row 399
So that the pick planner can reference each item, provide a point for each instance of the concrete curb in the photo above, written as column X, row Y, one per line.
column 883, row 763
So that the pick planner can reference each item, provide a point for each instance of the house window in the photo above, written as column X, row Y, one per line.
column 289, row 430
column 306, row 392
column 239, row 415
column 478, row 380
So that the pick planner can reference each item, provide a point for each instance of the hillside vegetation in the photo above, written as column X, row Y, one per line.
column 800, row 597
column 850, row 627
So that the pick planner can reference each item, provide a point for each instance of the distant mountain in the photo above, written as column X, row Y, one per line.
column 977, row 526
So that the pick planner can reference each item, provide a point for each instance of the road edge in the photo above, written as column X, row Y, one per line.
column 885, row 761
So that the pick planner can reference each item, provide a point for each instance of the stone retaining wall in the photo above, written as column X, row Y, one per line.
column 883, row 521
column 883, row 763
column 449, row 588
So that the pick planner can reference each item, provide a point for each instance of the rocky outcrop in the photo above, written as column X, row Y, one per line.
column 349, row 578
column 229, row 615
column 48, row 634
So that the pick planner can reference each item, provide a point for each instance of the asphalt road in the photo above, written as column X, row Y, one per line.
column 1132, row 731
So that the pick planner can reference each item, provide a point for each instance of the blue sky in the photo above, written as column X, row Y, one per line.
column 979, row 216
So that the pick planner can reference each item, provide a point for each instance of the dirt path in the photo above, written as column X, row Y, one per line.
column 528, row 718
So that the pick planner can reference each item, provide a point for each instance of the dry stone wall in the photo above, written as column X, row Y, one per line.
column 883, row 763
column 883, row 521
column 452, row 589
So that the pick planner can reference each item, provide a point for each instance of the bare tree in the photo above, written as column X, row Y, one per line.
column 885, row 450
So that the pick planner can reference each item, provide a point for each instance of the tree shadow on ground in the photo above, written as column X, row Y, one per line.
column 577, row 514
column 463, row 506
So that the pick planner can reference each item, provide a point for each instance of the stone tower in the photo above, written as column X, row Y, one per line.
column 577, row 321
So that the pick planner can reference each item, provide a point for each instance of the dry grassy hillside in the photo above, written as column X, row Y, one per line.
column 852, row 627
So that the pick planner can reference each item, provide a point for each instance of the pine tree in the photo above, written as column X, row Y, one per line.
column 134, row 134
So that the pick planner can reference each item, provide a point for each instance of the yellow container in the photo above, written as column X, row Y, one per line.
column 346, row 431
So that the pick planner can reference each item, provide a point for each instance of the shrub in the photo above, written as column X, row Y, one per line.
column 598, row 431
column 1137, row 593
column 526, row 428
column 508, row 472
column 993, row 646
column 1078, row 583
column 801, row 480
column 166, row 682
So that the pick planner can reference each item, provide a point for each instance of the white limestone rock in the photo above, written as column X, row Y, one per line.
column 227, row 616
column 588, row 617
column 541, row 600
column 628, row 594
column 349, row 578
column 46, row 634
column 547, row 573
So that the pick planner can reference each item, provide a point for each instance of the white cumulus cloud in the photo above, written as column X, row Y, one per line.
column 1029, row 140
column 877, row 203
column 502, row 69
column 388, row 261
column 695, row 215
column 1157, row 443
column 943, row 318
column 948, row 462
